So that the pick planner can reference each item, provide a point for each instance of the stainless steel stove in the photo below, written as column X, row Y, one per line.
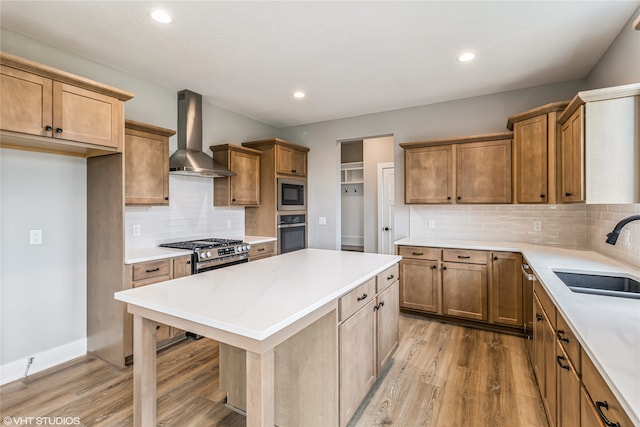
column 210, row 254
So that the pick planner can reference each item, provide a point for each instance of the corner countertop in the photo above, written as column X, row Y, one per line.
column 258, row 299
column 608, row 328
column 254, row 240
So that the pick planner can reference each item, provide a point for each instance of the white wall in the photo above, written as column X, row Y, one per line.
column 43, row 289
column 478, row 115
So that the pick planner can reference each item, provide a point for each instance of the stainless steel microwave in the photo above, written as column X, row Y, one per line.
column 291, row 194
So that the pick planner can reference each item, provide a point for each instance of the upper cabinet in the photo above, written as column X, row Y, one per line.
column 600, row 145
column 474, row 169
column 45, row 109
column 291, row 161
column 244, row 188
column 535, row 141
column 146, row 164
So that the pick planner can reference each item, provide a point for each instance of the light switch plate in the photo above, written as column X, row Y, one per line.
column 136, row 230
column 35, row 237
column 432, row 223
column 322, row 220
column 537, row 225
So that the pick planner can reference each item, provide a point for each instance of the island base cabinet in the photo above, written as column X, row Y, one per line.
column 306, row 376
column 357, row 359
column 388, row 317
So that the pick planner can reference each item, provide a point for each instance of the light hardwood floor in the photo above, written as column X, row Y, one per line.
column 441, row 375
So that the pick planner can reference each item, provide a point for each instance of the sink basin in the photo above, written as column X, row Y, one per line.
column 616, row 286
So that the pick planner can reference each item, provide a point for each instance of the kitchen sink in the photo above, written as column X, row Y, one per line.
column 616, row 286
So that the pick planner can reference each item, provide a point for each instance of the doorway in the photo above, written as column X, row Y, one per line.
column 363, row 211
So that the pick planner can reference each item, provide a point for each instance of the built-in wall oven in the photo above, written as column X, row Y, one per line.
column 292, row 233
column 291, row 194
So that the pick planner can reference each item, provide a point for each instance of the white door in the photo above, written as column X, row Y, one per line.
column 386, row 203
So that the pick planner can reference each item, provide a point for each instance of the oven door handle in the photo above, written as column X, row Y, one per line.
column 304, row 224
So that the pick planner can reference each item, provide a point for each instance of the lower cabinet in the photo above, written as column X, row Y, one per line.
column 388, row 314
column 262, row 250
column 506, row 289
column 568, row 390
column 464, row 284
column 420, row 285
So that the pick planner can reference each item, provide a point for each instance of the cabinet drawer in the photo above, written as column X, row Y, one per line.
column 261, row 249
column 600, row 393
column 357, row 298
column 418, row 252
column 465, row 255
column 387, row 277
column 548, row 305
column 147, row 270
column 568, row 341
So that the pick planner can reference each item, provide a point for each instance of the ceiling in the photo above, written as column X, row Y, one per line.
column 351, row 58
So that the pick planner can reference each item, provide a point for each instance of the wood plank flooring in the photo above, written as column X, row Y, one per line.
column 442, row 375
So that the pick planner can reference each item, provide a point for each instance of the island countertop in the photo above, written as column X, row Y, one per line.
column 256, row 300
column 608, row 328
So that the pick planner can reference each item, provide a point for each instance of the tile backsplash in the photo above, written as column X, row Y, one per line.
column 190, row 215
column 601, row 219
column 561, row 225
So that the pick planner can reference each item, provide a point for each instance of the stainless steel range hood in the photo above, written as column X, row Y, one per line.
column 189, row 159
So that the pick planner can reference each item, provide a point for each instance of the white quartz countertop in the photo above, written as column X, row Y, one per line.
column 133, row 256
column 254, row 240
column 608, row 328
column 257, row 300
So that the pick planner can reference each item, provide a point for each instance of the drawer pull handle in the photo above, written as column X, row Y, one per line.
column 605, row 405
column 560, row 335
column 260, row 249
column 568, row 194
column 379, row 306
column 153, row 270
column 363, row 297
column 417, row 253
column 391, row 276
column 539, row 317
column 560, row 360
column 464, row 256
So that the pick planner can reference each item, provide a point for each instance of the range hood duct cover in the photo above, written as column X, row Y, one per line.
column 189, row 159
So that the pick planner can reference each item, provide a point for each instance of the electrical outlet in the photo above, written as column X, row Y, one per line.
column 432, row 223
column 35, row 237
column 537, row 225
column 136, row 230
column 228, row 223
column 322, row 220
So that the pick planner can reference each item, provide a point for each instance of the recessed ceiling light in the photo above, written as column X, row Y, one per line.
column 299, row 94
column 466, row 57
column 161, row 16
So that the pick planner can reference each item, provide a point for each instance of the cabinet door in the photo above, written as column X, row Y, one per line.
column 506, row 289
column 85, row 116
column 589, row 416
column 146, row 168
column 26, row 102
column 181, row 267
column 429, row 174
column 245, row 186
column 464, row 290
column 299, row 163
column 420, row 285
column 530, row 160
column 290, row 161
column 357, row 360
column 483, row 173
column 568, row 390
column 388, row 315
column 538, row 345
column 549, row 397
column 572, row 158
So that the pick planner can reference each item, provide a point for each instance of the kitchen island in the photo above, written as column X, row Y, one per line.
column 256, row 307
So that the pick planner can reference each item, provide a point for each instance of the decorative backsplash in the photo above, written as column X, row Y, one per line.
column 190, row 215
column 561, row 225
column 601, row 219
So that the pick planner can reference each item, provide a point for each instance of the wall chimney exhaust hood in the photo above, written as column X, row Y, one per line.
column 189, row 159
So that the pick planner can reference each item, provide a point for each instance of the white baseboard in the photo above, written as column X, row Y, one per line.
column 15, row 370
column 353, row 240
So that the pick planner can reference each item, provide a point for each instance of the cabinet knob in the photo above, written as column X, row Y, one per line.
column 495, row 258
column 233, row 200
column 568, row 194
column 188, row 262
column 293, row 171
column 459, row 198
column 449, row 198
column 539, row 317
column 444, row 268
column 48, row 128
column 166, row 198
column 434, row 267
column 542, row 196
column 58, row 130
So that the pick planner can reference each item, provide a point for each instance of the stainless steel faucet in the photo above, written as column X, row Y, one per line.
column 612, row 237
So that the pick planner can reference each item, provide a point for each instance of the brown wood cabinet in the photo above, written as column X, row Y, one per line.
column 45, row 109
column 262, row 250
column 506, row 289
column 568, row 390
column 388, row 313
column 572, row 176
column 474, row 169
column 244, row 188
column 420, row 288
column 464, row 290
column 535, row 135
column 146, row 164
column 291, row 161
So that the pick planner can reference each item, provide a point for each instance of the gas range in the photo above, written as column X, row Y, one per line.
column 210, row 254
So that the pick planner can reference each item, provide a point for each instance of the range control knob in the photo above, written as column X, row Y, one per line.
column 208, row 254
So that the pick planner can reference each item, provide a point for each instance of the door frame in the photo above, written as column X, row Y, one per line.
column 381, row 167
